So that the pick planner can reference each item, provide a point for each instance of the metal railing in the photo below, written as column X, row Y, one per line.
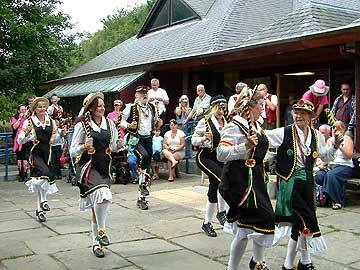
column 6, row 150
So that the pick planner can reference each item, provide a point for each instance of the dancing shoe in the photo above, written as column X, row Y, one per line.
column 135, row 179
column 221, row 216
column 209, row 229
column 142, row 204
column 102, row 238
column 143, row 190
column 284, row 268
column 98, row 251
column 44, row 206
column 40, row 216
column 308, row 266
column 257, row 265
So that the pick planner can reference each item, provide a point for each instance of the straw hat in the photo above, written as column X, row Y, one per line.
column 245, row 97
column 90, row 97
column 38, row 100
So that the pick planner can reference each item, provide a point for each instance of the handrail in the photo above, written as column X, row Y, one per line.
column 5, row 137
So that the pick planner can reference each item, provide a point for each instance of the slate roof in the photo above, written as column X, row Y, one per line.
column 226, row 24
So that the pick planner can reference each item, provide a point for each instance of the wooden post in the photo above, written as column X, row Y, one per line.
column 185, row 83
column 277, row 75
column 357, row 98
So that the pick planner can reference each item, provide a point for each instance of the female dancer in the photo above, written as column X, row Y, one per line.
column 95, row 137
column 298, row 147
column 42, row 131
column 243, row 147
column 207, row 137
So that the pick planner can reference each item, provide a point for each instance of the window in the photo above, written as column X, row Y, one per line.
column 166, row 13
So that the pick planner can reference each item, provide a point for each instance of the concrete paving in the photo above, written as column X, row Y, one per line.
column 167, row 236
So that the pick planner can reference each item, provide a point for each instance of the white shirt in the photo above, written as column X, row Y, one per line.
column 197, row 139
column 79, row 136
column 326, row 152
column 55, row 139
column 159, row 93
column 273, row 99
column 176, row 141
column 145, row 120
column 232, row 101
column 50, row 109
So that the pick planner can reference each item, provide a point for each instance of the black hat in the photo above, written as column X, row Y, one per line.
column 217, row 99
column 141, row 88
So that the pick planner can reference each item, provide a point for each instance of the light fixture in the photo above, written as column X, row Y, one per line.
column 303, row 73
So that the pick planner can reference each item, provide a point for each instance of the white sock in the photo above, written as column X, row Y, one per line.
column 38, row 201
column 209, row 212
column 290, row 254
column 94, row 232
column 258, row 252
column 237, row 250
column 304, row 254
column 42, row 194
column 221, row 202
column 101, row 211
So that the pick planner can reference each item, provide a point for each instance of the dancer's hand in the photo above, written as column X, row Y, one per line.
column 251, row 141
column 88, row 143
column 132, row 125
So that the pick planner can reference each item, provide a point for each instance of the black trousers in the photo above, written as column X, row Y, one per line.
column 55, row 159
column 144, row 151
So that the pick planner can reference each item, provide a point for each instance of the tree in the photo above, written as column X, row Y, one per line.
column 33, row 45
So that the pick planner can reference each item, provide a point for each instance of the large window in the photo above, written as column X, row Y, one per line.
column 170, row 12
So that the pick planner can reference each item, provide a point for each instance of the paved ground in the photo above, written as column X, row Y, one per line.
column 167, row 236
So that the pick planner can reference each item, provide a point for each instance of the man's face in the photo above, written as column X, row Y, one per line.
column 200, row 91
column 30, row 100
column 345, row 90
column 155, row 85
column 301, row 118
column 263, row 87
column 54, row 99
column 142, row 96
column 324, row 131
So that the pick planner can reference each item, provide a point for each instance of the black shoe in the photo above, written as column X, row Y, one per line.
column 284, row 268
column 221, row 216
column 102, row 238
column 257, row 265
column 44, row 206
column 209, row 230
column 308, row 266
column 40, row 216
column 143, row 190
column 98, row 251
column 135, row 180
column 142, row 204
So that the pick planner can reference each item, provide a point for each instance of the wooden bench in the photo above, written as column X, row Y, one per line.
column 353, row 184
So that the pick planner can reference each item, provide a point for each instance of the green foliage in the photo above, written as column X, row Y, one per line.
column 33, row 47
column 116, row 29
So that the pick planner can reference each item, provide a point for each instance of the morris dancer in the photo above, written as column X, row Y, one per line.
column 298, row 147
column 93, row 141
column 243, row 147
column 207, row 136
column 139, row 118
column 42, row 131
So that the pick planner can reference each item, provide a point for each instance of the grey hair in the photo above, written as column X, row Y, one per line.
column 200, row 86
column 255, row 98
column 327, row 127
column 239, row 86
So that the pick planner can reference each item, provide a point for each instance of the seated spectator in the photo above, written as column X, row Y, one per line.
column 174, row 147
column 340, row 171
column 182, row 111
column 157, row 149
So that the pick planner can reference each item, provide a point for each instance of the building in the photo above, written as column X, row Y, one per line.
column 287, row 44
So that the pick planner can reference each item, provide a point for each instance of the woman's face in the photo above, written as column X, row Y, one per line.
column 40, row 109
column 22, row 109
column 220, row 111
column 173, row 126
column 301, row 118
column 256, row 111
column 184, row 103
column 99, row 110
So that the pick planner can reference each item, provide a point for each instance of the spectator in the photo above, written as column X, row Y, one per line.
column 116, row 117
column 159, row 98
column 317, row 94
column 182, row 111
column 201, row 105
column 174, row 147
column 55, row 110
column 287, row 115
column 340, row 171
column 157, row 149
column 239, row 86
column 322, row 165
column 22, row 158
column 344, row 105
column 270, row 106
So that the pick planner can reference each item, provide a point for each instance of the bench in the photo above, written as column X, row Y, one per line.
column 353, row 184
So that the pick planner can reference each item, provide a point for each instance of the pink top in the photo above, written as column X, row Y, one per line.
column 13, row 120
column 316, row 100
column 113, row 116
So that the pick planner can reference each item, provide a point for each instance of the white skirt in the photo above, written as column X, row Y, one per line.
column 265, row 240
column 309, row 243
column 34, row 184
column 98, row 196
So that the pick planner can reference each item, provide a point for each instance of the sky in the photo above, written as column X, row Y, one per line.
column 87, row 14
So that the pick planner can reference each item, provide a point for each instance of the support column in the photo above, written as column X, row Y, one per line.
column 185, row 83
column 357, row 98
column 277, row 76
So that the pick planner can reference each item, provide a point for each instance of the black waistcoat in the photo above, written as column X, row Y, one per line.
column 286, row 153
column 215, row 133
column 135, row 116
column 42, row 141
